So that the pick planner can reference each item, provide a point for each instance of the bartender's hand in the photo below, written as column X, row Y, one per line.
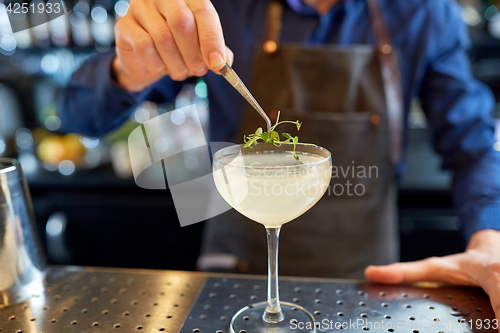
column 179, row 38
column 479, row 266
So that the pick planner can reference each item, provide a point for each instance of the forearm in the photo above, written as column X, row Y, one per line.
column 93, row 103
column 486, row 240
column 476, row 193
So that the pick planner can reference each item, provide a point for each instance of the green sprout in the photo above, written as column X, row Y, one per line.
column 273, row 137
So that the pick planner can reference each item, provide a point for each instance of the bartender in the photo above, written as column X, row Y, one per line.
column 323, row 60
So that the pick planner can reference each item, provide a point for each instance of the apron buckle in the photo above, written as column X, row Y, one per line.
column 270, row 46
column 386, row 49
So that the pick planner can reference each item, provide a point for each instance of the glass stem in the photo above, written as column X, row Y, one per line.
column 273, row 313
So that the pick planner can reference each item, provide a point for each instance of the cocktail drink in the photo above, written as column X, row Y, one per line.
column 268, row 185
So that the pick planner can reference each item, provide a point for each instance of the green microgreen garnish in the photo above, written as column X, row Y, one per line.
column 273, row 137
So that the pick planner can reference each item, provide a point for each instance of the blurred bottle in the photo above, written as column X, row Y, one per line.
column 38, row 20
column 20, row 23
column 10, row 113
column 42, row 35
column 59, row 31
column 26, row 150
column 24, row 39
column 103, row 23
column 8, row 43
column 80, row 24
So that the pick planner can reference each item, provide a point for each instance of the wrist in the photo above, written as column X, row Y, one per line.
column 120, row 75
column 484, row 239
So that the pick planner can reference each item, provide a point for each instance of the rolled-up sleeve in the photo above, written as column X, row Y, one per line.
column 460, row 113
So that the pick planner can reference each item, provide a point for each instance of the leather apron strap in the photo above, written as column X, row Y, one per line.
column 392, row 80
column 272, row 30
column 388, row 63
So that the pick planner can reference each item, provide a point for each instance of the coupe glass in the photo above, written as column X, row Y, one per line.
column 268, row 185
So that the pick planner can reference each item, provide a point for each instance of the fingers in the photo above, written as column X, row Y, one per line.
column 495, row 302
column 484, row 248
column 180, row 38
column 209, row 33
column 181, row 21
column 400, row 272
column 164, row 42
column 490, row 282
column 446, row 269
column 230, row 56
column 133, row 37
column 478, row 266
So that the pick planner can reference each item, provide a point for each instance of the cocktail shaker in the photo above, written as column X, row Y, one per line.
column 22, row 262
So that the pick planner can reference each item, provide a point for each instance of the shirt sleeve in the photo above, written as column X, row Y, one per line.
column 93, row 103
column 460, row 113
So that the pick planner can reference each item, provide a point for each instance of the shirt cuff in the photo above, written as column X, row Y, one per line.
column 117, row 101
column 115, row 97
column 485, row 217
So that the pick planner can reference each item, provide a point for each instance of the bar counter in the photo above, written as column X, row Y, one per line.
column 86, row 299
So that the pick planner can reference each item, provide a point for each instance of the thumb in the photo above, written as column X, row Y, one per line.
column 229, row 56
column 434, row 269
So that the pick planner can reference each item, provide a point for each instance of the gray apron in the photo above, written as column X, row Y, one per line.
column 349, row 100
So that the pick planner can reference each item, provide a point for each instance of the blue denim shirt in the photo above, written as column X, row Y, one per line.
column 432, row 40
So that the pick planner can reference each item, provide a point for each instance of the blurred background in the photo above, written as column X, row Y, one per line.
column 89, row 210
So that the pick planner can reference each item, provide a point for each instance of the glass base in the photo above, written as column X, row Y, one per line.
column 249, row 320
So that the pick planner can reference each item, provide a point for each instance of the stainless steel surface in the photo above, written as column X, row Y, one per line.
column 236, row 82
column 22, row 261
column 422, row 310
column 104, row 300
column 125, row 300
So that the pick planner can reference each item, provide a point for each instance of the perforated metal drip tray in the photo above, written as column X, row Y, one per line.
column 115, row 300
column 344, row 306
column 106, row 300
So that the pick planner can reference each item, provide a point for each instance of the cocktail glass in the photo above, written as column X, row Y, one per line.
column 268, row 185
